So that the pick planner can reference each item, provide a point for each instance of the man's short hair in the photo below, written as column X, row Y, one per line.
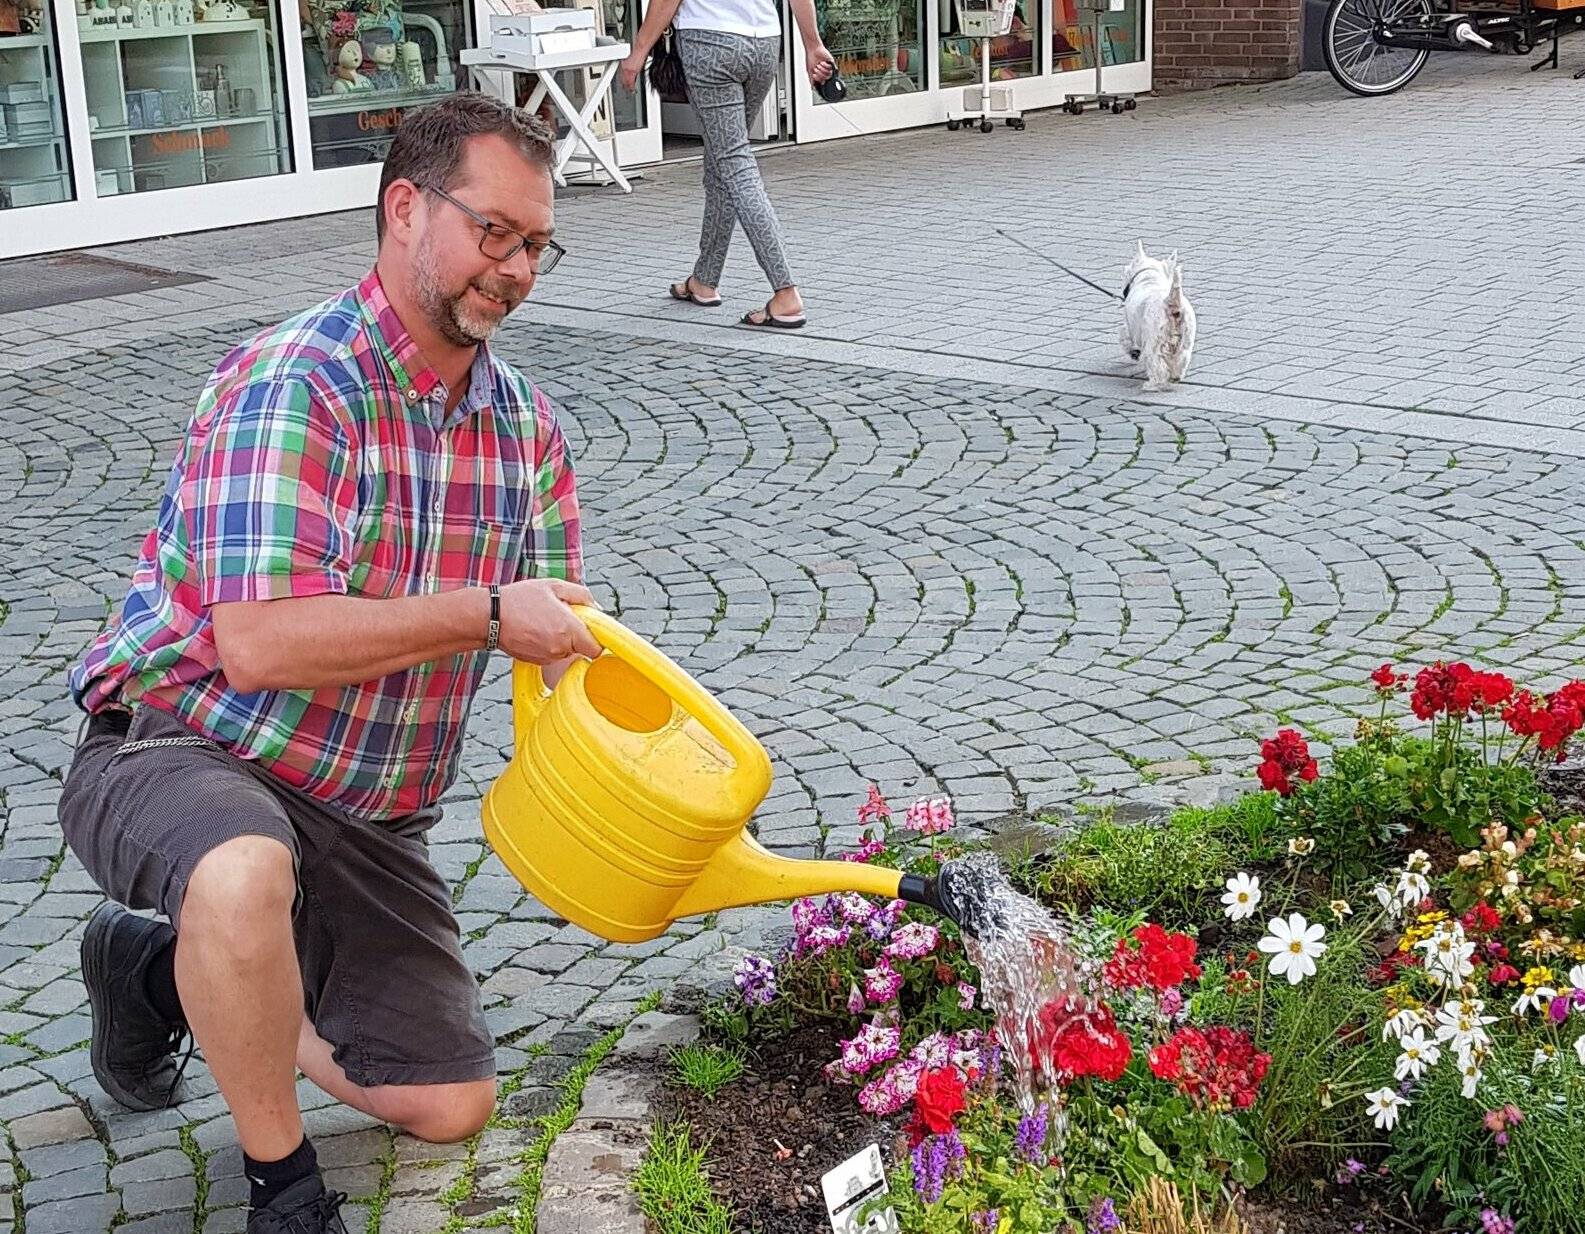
column 429, row 142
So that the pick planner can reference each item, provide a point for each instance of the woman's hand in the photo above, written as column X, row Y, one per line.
column 631, row 68
column 822, row 64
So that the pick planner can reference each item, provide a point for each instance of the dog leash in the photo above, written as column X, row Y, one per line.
column 1110, row 295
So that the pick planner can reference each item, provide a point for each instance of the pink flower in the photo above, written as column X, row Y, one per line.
column 807, row 914
column 874, row 807
column 1171, row 1002
column 822, row 939
column 874, row 1045
column 867, row 851
column 882, row 983
column 855, row 1000
column 966, row 994
column 854, row 909
column 913, row 941
column 930, row 816
column 894, row 1090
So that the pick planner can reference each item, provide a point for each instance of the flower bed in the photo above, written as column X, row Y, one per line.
column 1355, row 996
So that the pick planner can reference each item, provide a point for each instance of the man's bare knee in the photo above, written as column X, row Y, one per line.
column 445, row 1113
column 237, row 888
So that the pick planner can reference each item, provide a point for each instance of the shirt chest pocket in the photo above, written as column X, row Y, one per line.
column 401, row 560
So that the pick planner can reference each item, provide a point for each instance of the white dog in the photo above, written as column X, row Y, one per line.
column 1158, row 320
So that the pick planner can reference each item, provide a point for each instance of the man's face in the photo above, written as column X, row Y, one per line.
column 463, row 292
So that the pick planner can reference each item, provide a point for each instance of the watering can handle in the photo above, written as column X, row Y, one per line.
column 529, row 696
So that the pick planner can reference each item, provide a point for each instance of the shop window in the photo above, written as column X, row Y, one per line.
column 876, row 44
column 367, row 61
column 182, row 92
column 1073, row 36
column 1012, row 54
column 35, row 168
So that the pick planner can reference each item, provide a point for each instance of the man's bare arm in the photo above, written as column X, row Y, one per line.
column 310, row 642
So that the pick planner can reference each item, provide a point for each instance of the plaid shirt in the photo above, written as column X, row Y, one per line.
column 321, row 460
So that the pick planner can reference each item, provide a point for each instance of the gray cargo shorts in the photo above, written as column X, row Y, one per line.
column 384, row 980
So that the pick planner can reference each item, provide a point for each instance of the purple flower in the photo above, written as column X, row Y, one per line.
column 1349, row 1171
column 966, row 994
column 855, row 1000
column 1103, row 1218
column 755, row 977
column 854, row 909
column 821, row 939
column 913, row 941
column 986, row 1220
column 1031, row 1141
column 807, row 914
column 1491, row 1222
column 872, row 1046
column 1171, row 1002
column 882, row 983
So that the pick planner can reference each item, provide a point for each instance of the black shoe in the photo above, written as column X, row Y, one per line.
column 134, row 1046
column 303, row 1208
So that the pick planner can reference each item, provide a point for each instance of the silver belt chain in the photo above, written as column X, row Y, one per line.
column 155, row 743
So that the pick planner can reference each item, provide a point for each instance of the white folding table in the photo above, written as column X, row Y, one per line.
column 606, row 56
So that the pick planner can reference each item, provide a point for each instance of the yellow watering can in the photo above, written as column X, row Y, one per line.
column 625, row 802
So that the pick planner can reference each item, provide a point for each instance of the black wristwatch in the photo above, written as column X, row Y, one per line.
column 495, row 618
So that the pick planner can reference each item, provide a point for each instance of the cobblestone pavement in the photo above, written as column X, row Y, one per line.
column 1021, row 592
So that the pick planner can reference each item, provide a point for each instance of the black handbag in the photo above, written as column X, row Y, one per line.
column 665, row 67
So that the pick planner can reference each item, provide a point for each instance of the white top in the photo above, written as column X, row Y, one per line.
column 757, row 19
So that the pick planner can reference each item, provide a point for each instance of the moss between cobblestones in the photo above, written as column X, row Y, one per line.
column 200, row 1159
column 382, row 1193
column 520, row 1218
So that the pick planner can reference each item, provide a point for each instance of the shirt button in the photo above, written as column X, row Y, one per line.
column 412, row 394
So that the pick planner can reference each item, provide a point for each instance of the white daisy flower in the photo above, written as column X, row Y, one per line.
column 1387, row 900
column 1462, row 1024
column 1412, row 888
column 1419, row 862
column 1469, row 1069
column 1538, row 999
column 1418, row 1054
column 1301, row 846
column 1385, row 1105
column 1576, row 977
column 1341, row 909
column 1401, row 1024
column 1544, row 1057
column 1241, row 897
column 1294, row 945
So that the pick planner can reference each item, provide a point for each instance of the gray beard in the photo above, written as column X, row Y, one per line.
column 449, row 314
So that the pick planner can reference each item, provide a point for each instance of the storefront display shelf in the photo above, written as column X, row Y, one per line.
column 122, row 34
column 186, row 126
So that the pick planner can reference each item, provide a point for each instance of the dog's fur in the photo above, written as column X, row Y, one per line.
column 1158, row 320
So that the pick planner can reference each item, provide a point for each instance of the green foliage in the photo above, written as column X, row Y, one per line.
column 1457, row 789
column 1443, row 1152
column 673, row 1191
column 1166, row 871
column 1324, row 1041
column 707, row 1068
column 1353, row 812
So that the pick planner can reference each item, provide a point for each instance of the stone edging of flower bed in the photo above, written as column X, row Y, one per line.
column 587, row 1183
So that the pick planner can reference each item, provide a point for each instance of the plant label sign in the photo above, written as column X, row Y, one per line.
column 858, row 1180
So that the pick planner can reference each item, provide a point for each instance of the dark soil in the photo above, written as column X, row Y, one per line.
column 776, row 1130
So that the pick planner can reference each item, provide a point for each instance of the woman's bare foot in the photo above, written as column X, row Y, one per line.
column 785, row 308
column 691, row 289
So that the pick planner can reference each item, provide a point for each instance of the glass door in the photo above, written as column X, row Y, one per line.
column 35, row 165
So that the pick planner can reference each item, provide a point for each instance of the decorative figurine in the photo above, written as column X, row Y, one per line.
column 349, row 60
column 413, row 65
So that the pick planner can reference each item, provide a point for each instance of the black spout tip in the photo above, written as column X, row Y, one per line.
column 917, row 889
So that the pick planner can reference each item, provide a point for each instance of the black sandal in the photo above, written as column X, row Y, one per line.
column 771, row 321
column 684, row 291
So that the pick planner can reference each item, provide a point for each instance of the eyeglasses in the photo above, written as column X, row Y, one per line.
column 502, row 243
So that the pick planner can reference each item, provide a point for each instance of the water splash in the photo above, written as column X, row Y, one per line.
column 1025, row 962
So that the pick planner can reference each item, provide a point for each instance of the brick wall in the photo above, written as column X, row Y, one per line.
column 1213, row 42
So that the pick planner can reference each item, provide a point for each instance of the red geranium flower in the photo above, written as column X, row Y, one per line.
column 1071, row 1040
column 1159, row 959
column 1387, row 681
column 939, row 1099
column 1218, row 1067
column 1503, row 974
column 1287, row 754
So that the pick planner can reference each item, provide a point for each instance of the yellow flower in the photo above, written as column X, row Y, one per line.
column 1538, row 976
column 1432, row 917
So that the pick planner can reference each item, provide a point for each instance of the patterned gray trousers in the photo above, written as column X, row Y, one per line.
column 728, row 78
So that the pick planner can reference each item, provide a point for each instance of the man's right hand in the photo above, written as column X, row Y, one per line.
column 537, row 625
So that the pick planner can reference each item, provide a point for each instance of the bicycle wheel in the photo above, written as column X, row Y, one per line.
column 1356, row 59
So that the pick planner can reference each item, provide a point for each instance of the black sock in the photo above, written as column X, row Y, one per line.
column 267, row 1179
column 159, row 982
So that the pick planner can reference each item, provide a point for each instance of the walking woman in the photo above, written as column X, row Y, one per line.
column 730, row 51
